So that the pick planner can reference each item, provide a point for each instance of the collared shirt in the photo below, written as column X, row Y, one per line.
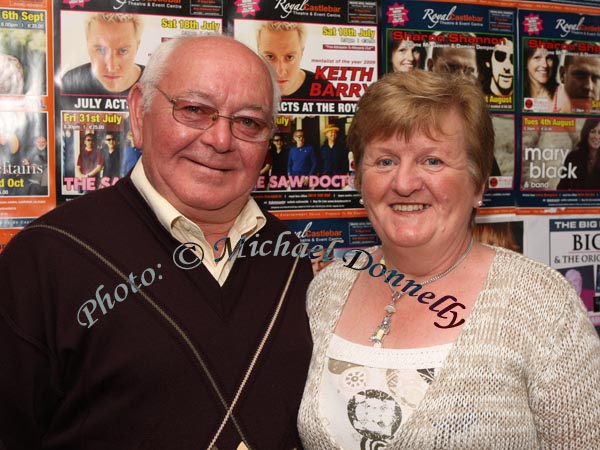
column 250, row 220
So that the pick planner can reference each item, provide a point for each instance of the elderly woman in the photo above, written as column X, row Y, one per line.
column 433, row 340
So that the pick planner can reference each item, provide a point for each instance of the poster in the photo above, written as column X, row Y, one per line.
column 476, row 41
column 499, row 195
column 575, row 252
column 560, row 164
column 336, row 235
column 103, row 50
column 504, row 230
column 560, row 66
column 26, row 126
column 324, row 53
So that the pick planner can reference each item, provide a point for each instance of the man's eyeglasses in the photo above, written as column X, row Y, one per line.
column 276, row 140
column 200, row 116
column 110, row 139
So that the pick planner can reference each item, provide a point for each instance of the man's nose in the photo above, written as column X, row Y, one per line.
column 218, row 135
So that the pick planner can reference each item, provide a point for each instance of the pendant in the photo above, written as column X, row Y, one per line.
column 381, row 331
column 377, row 337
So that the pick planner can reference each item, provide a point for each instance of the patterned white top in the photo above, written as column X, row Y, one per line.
column 367, row 392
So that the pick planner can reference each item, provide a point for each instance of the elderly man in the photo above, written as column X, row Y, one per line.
column 135, row 316
column 580, row 84
column 112, row 42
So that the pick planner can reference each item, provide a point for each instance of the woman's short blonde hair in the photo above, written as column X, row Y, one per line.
column 403, row 103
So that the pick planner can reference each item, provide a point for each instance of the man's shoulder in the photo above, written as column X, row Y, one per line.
column 274, row 225
column 99, row 208
column 113, row 220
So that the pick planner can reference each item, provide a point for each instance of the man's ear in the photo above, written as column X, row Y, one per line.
column 136, row 114
column 430, row 65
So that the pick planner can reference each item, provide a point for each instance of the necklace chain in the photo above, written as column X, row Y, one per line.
column 384, row 327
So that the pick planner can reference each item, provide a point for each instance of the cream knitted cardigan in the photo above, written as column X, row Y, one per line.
column 523, row 374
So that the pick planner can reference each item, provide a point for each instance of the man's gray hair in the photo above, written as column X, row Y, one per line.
column 158, row 66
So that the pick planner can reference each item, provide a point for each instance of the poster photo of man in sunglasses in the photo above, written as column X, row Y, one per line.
column 498, row 75
column 488, row 59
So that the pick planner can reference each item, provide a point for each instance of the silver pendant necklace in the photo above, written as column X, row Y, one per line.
column 384, row 327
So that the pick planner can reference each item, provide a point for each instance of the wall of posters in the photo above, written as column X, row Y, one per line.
column 571, row 245
column 64, row 123
column 26, row 119
column 560, row 91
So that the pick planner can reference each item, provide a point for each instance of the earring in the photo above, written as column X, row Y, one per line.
column 480, row 203
column 361, row 201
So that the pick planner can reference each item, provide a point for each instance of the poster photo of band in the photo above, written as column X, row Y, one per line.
column 308, row 165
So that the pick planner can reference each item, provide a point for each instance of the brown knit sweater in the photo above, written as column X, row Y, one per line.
column 523, row 374
column 134, row 379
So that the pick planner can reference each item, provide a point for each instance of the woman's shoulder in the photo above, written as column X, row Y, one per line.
column 534, row 282
column 509, row 260
column 337, row 278
column 352, row 261
column 535, row 304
